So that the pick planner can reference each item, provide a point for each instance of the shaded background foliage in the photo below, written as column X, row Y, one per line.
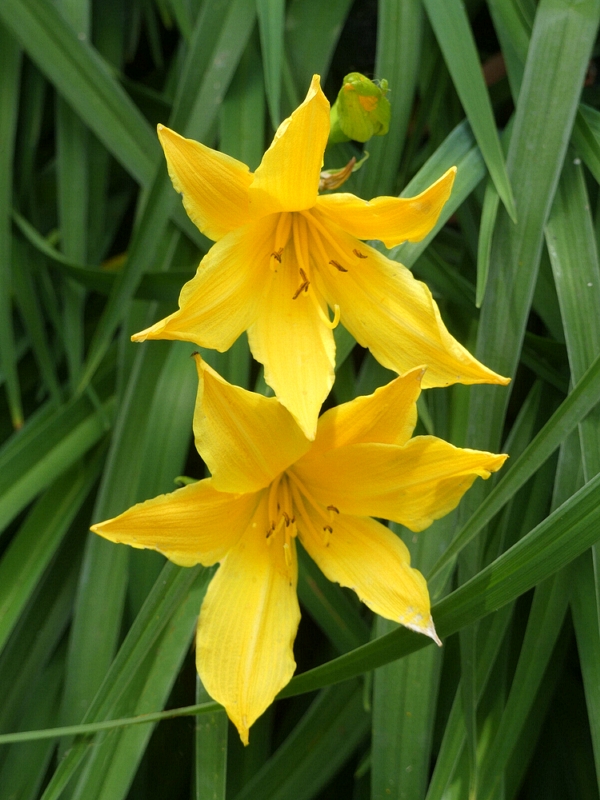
column 94, row 245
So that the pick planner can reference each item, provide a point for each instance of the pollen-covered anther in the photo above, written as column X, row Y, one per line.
column 277, row 255
column 338, row 266
column 303, row 286
column 333, row 508
column 358, row 254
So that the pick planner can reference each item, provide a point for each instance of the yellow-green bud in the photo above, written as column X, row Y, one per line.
column 361, row 110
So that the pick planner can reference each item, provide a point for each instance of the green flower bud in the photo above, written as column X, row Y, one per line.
column 360, row 111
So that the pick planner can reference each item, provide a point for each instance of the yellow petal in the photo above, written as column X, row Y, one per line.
column 288, row 176
column 193, row 525
column 214, row 186
column 245, row 439
column 394, row 315
column 414, row 484
column 223, row 298
column 391, row 219
column 367, row 557
column 248, row 624
column 293, row 341
column 387, row 416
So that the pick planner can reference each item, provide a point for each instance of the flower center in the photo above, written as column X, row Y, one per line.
column 298, row 243
column 328, row 514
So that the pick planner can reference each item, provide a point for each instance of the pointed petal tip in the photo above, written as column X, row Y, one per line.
column 499, row 461
column 205, row 370
column 427, row 630
column 153, row 332
column 309, row 429
column 315, row 84
column 417, row 373
column 431, row 632
column 166, row 133
column 244, row 733
column 315, row 89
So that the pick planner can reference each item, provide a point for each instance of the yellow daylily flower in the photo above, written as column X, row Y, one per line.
column 269, row 485
column 284, row 255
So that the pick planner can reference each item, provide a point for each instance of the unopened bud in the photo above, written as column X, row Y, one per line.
column 361, row 110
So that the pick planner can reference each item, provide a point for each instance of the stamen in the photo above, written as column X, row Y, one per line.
column 338, row 266
column 313, row 222
column 288, row 555
column 358, row 254
column 297, row 485
column 319, row 244
column 282, row 234
column 299, row 493
column 333, row 508
column 282, row 231
column 300, row 235
column 272, row 503
column 303, row 286
column 281, row 517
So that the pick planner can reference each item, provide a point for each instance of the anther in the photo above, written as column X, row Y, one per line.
column 338, row 266
column 303, row 286
column 328, row 528
column 333, row 508
column 277, row 255
column 287, row 519
column 357, row 253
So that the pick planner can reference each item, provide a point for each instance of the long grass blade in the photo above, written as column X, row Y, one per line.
column 10, row 71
